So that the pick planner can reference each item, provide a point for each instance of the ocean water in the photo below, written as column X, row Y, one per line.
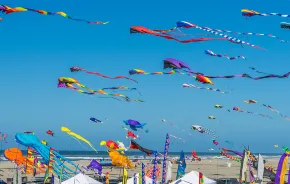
column 89, row 155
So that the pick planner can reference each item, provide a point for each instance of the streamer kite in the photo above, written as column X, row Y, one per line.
column 77, row 137
column 143, row 30
column 134, row 145
column 67, row 82
column 205, row 88
column 186, row 25
column 235, row 108
column 211, row 53
column 250, row 13
column 268, row 107
column 202, row 130
column 78, row 69
column 7, row 10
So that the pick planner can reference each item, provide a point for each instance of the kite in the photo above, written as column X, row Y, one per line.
column 28, row 132
column 203, row 79
column 95, row 166
column 186, row 25
column 249, row 33
column 67, row 82
column 286, row 75
column 211, row 53
column 276, row 146
column 110, row 144
column 135, row 146
column 163, row 120
column 96, row 120
column 268, row 107
column 3, row 137
column 194, row 156
column 121, row 145
column 133, row 124
column 218, row 106
column 48, row 154
column 143, row 30
column 132, row 135
column 235, row 108
column 250, row 13
column 285, row 25
column 205, row 88
column 77, row 137
column 78, row 69
column 49, row 132
column 120, row 160
column 15, row 155
column 202, row 130
column 7, row 10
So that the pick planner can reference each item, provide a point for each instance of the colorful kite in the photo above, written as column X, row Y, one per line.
column 110, row 144
column 186, row 25
column 285, row 25
column 133, row 124
column 205, row 88
column 96, row 120
column 120, row 160
column 121, row 146
column 218, row 106
column 143, row 30
column 250, row 13
column 194, row 156
column 132, row 135
column 67, row 82
column 268, row 107
column 211, row 53
column 8, row 10
column 49, row 132
column 235, row 108
column 77, row 137
column 78, row 69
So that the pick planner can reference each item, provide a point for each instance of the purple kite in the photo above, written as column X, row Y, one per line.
column 134, row 124
column 94, row 166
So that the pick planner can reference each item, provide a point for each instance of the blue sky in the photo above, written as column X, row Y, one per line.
column 36, row 50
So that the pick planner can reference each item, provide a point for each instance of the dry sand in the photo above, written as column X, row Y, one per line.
column 212, row 169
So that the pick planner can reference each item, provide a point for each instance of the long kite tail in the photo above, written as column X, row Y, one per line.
column 9, row 10
column 250, row 13
column 78, row 69
column 249, row 33
column 211, row 53
column 126, row 98
column 205, row 88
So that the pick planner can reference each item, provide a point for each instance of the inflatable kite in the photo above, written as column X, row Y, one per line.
column 194, row 156
column 211, row 53
column 60, row 166
column 27, row 164
column 133, row 124
column 131, row 135
column 120, row 160
column 110, row 144
column 78, row 69
column 121, row 146
column 135, row 146
column 8, row 10
column 77, row 137
column 94, row 166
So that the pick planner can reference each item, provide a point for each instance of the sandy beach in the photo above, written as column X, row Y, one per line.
column 213, row 169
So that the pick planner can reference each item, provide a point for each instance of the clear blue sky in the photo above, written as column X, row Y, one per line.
column 36, row 50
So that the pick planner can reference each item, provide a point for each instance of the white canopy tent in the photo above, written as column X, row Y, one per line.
column 131, row 180
column 193, row 178
column 81, row 179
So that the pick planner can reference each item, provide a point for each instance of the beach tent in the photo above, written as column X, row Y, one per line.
column 192, row 178
column 131, row 180
column 81, row 179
